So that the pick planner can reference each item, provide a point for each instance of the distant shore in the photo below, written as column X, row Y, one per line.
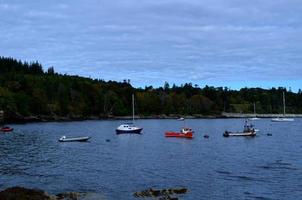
column 44, row 118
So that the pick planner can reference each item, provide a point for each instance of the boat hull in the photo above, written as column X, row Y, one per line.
column 132, row 131
column 78, row 139
column 244, row 134
column 6, row 129
column 254, row 119
column 282, row 120
column 179, row 135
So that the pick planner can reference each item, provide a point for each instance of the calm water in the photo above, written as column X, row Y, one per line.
column 264, row 167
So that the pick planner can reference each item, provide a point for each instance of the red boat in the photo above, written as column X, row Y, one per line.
column 6, row 129
column 184, row 133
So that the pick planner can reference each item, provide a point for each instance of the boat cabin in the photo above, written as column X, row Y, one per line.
column 248, row 127
column 186, row 130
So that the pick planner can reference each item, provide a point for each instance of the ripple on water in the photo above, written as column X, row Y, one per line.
column 223, row 172
column 278, row 165
column 217, row 169
column 261, row 198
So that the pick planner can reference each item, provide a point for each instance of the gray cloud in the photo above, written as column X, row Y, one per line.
column 153, row 41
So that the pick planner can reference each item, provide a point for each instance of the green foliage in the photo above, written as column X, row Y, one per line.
column 26, row 90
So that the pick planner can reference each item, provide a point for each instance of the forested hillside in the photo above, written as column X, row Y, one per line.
column 26, row 89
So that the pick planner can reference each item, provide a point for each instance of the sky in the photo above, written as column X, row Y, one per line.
column 229, row 43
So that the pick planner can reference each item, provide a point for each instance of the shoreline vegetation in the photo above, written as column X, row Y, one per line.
column 29, row 93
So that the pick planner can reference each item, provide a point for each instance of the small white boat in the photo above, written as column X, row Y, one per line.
column 248, row 130
column 254, row 119
column 73, row 139
column 283, row 119
column 181, row 119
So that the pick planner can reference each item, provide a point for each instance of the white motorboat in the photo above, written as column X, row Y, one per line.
column 129, row 128
column 74, row 139
column 283, row 119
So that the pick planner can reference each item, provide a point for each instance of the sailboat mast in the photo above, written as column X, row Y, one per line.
column 283, row 104
column 133, row 108
column 254, row 108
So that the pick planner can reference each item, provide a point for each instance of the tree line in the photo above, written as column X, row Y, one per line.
column 28, row 90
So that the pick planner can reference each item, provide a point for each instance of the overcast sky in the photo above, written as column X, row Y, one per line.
column 232, row 43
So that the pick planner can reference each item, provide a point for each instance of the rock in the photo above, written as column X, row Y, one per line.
column 79, row 196
column 20, row 193
column 165, row 194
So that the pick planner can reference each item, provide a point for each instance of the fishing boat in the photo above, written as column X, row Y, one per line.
column 248, row 130
column 74, row 139
column 184, row 133
column 283, row 119
column 6, row 129
column 130, row 127
column 255, row 115
column 181, row 119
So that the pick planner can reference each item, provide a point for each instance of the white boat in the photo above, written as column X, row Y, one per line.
column 248, row 130
column 254, row 118
column 130, row 127
column 74, row 139
column 181, row 119
column 283, row 119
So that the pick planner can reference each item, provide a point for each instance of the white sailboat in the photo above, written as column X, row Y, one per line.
column 129, row 128
column 283, row 119
column 255, row 115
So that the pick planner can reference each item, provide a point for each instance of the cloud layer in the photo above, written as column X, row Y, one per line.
column 151, row 42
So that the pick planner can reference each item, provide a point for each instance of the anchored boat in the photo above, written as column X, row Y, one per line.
column 6, row 129
column 73, row 139
column 255, row 115
column 181, row 119
column 248, row 130
column 129, row 128
column 184, row 133
column 283, row 119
